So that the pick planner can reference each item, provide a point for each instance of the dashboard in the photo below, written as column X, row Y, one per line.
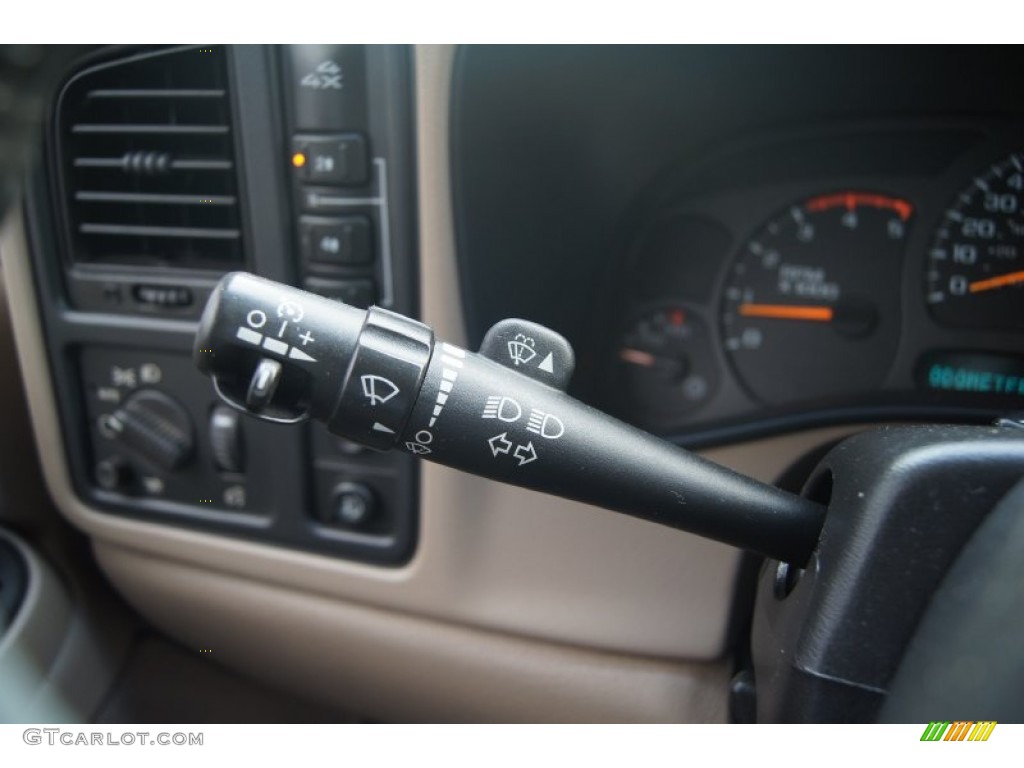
column 847, row 257
column 884, row 293
column 754, row 252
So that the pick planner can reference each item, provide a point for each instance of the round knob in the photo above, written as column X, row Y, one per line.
column 113, row 474
column 354, row 504
column 155, row 427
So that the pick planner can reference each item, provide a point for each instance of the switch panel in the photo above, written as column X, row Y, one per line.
column 146, row 436
column 341, row 180
column 230, row 472
column 151, row 436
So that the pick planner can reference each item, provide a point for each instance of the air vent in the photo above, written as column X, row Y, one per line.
column 148, row 163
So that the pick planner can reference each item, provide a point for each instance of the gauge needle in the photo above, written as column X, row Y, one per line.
column 997, row 282
column 638, row 357
column 673, row 368
column 787, row 312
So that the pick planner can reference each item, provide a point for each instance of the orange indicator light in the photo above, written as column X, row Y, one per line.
column 298, row 159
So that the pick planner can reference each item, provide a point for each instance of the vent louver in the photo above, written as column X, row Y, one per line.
column 148, row 163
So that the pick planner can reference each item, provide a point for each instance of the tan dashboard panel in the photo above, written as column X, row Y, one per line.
column 402, row 668
column 491, row 559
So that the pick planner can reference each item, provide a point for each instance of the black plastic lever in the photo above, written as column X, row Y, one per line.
column 382, row 380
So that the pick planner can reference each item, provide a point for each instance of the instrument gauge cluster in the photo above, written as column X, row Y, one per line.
column 841, row 296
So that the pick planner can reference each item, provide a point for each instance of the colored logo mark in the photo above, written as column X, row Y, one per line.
column 959, row 731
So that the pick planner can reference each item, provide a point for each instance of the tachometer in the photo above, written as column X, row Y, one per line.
column 975, row 274
column 811, row 306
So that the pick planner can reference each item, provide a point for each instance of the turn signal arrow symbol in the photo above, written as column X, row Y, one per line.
column 525, row 454
column 500, row 444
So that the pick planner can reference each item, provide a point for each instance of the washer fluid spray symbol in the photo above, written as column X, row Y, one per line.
column 521, row 350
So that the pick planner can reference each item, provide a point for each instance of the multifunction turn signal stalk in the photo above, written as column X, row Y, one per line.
column 384, row 381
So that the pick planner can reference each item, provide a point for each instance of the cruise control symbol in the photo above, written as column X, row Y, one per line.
column 377, row 389
column 290, row 309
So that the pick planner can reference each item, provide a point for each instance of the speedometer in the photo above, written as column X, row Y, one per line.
column 811, row 307
column 975, row 274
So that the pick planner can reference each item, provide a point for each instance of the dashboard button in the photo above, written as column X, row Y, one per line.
column 155, row 427
column 326, row 86
column 226, row 439
column 338, row 160
column 532, row 350
column 354, row 504
column 114, row 474
column 343, row 240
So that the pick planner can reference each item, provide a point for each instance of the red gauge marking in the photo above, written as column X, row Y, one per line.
column 787, row 312
column 851, row 200
column 677, row 317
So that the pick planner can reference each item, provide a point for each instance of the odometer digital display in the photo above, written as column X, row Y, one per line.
column 811, row 306
column 976, row 373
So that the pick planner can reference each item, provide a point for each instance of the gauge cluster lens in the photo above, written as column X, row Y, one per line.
column 975, row 273
column 811, row 305
column 666, row 365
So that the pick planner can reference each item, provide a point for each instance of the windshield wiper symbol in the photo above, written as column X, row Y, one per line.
column 377, row 389
column 521, row 350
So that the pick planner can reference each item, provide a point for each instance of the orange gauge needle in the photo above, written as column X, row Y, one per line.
column 637, row 357
column 997, row 282
column 787, row 312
